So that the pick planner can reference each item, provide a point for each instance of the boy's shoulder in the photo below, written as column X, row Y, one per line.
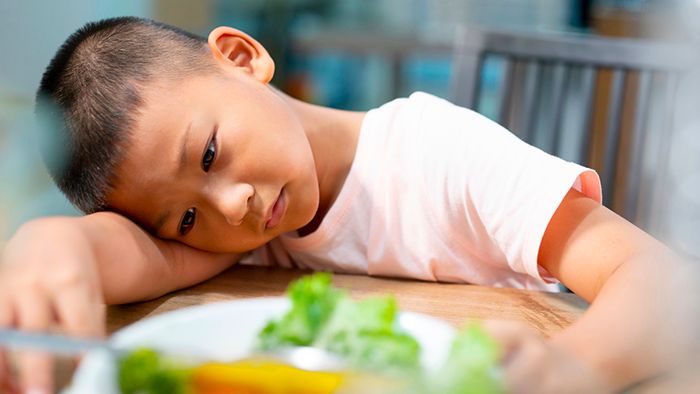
column 421, row 109
column 424, row 97
column 418, row 98
column 418, row 106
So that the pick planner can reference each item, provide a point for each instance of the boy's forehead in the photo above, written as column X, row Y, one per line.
column 165, row 101
column 162, row 111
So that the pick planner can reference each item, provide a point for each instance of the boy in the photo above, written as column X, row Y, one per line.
column 187, row 161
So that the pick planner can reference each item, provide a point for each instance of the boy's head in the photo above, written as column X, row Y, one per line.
column 181, row 134
column 94, row 88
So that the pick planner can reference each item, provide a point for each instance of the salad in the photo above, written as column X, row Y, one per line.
column 380, row 356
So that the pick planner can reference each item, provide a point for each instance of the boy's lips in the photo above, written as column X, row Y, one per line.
column 276, row 211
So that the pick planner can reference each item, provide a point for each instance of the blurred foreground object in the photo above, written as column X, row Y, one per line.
column 27, row 190
column 12, row 166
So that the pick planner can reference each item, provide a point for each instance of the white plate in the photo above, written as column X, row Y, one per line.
column 228, row 331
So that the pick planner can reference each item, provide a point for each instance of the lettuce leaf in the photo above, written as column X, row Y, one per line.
column 313, row 302
column 144, row 371
column 471, row 366
column 364, row 332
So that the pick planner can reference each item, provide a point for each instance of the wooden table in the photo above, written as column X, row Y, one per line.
column 547, row 313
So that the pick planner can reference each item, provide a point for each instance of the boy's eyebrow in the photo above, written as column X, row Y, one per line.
column 182, row 163
column 183, row 149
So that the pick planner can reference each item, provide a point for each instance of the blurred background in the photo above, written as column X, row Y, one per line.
column 350, row 54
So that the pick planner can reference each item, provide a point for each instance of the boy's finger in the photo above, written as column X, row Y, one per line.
column 524, row 368
column 510, row 336
column 35, row 372
column 7, row 380
column 35, row 368
column 80, row 314
column 8, row 383
column 6, row 311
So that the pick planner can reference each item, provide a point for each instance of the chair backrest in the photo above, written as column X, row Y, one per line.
column 617, row 90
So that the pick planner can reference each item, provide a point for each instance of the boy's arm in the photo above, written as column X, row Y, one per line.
column 128, row 263
column 638, row 288
column 135, row 266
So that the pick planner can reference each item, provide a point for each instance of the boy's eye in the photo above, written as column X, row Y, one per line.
column 187, row 221
column 209, row 154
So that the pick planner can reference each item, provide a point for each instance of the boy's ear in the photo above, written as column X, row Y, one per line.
column 234, row 48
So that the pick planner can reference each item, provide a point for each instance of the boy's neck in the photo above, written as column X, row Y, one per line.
column 333, row 136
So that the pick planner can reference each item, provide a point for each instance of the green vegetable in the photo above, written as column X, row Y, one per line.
column 313, row 301
column 364, row 332
column 143, row 371
column 471, row 367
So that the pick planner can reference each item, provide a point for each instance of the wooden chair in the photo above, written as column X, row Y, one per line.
column 602, row 102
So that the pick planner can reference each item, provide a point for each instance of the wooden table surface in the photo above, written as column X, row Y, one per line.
column 547, row 313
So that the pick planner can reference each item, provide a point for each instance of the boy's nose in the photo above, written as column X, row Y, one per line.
column 233, row 201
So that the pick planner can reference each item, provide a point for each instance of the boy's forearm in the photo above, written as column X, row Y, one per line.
column 120, row 254
column 131, row 264
column 132, row 267
column 635, row 284
column 642, row 321
column 136, row 266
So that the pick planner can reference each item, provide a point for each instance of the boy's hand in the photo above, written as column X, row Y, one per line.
column 531, row 364
column 48, row 280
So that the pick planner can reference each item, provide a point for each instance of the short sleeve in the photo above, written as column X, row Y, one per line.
column 518, row 189
column 511, row 187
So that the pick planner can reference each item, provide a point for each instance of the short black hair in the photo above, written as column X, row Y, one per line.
column 91, row 92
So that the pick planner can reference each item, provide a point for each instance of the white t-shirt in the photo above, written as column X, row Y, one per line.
column 438, row 192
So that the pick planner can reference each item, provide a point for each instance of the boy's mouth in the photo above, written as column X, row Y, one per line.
column 276, row 211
